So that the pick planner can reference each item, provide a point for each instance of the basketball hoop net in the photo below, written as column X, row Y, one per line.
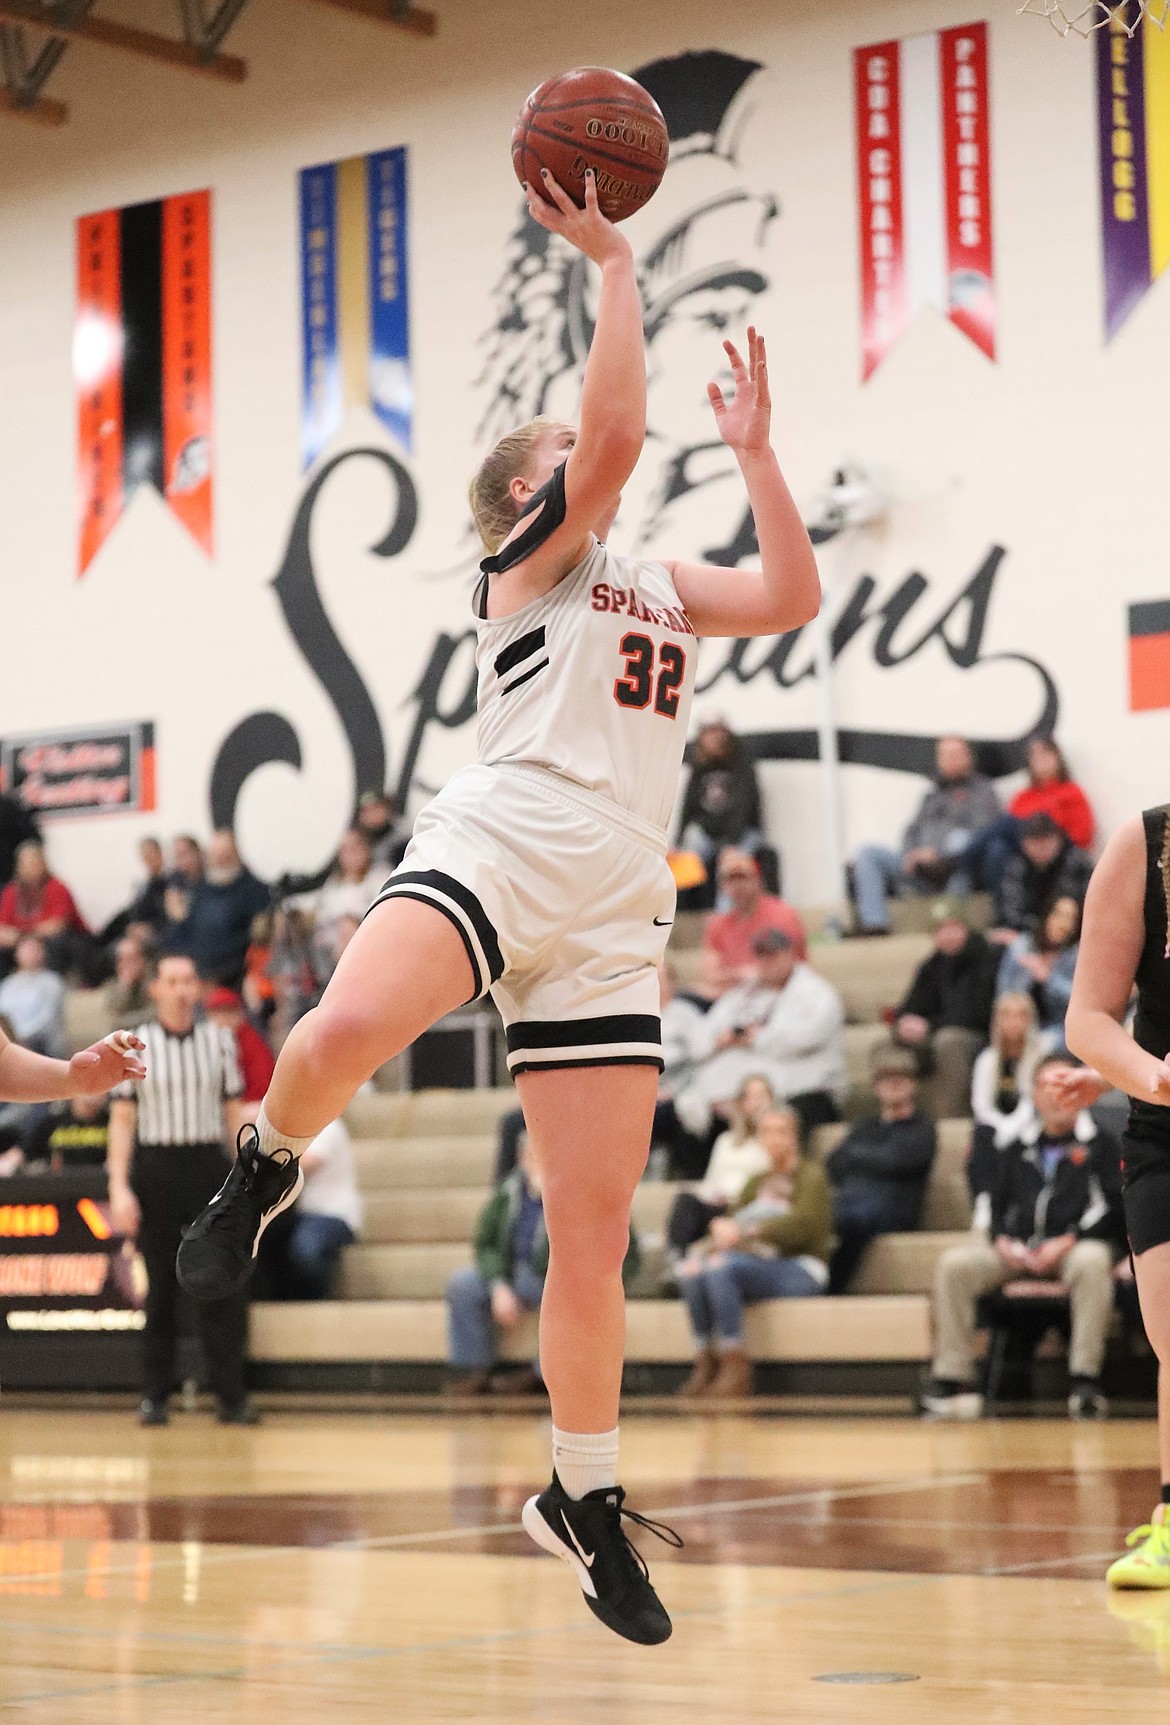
column 1070, row 18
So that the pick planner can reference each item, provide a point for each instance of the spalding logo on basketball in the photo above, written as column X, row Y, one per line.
column 593, row 118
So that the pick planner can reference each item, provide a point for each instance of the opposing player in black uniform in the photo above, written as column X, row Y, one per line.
column 1124, row 940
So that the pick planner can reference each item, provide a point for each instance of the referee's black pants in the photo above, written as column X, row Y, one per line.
column 172, row 1183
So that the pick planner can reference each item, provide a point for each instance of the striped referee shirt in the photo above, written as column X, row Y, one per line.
column 188, row 1079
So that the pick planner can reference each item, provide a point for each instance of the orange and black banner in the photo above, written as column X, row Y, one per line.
column 142, row 364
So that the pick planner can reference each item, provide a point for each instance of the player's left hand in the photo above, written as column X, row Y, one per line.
column 744, row 422
column 98, row 1068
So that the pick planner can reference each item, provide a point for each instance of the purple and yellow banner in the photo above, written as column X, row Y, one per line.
column 1133, row 121
column 354, row 297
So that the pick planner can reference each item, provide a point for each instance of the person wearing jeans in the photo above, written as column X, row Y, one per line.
column 938, row 846
column 327, row 1218
column 506, row 1279
column 775, row 1246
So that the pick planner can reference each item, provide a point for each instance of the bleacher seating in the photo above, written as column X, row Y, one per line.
column 425, row 1163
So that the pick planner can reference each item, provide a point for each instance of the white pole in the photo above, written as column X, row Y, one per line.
column 837, row 892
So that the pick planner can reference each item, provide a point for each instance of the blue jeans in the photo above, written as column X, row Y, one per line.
column 471, row 1336
column 716, row 1296
column 878, row 870
column 312, row 1254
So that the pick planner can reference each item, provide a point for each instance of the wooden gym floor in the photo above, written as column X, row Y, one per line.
column 369, row 1566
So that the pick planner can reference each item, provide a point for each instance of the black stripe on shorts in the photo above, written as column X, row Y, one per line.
column 445, row 886
column 577, row 1032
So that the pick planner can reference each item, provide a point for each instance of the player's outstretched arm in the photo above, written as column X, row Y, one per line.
column 1112, row 936
column 612, row 426
column 29, row 1077
column 785, row 592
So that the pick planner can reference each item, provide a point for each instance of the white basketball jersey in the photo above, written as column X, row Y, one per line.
column 594, row 681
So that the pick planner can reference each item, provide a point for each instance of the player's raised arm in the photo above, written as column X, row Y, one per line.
column 785, row 592
column 612, row 425
column 29, row 1077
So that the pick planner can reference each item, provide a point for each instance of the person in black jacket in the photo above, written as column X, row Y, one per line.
column 1047, row 867
column 946, row 1016
column 212, row 923
column 721, row 805
column 1055, row 1216
column 879, row 1170
column 16, row 825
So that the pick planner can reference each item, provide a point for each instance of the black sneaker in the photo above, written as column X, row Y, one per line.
column 217, row 1250
column 588, row 1534
column 153, row 1413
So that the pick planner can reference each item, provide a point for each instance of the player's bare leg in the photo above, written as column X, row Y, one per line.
column 405, row 968
column 590, row 1127
column 1149, row 1565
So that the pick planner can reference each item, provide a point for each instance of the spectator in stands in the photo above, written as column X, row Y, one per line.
column 774, row 1246
column 786, row 1024
column 292, row 971
column 1049, row 791
column 258, row 989
column 349, row 890
column 16, row 826
column 682, row 1014
column 32, row 999
column 1055, row 1215
column 1001, row 1092
column 728, row 958
column 721, row 804
column 225, row 1008
column 935, row 846
column 879, row 1170
column 507, row 1277
column 73, row 1134
column 736, row 1157
column 379, row 818
column 126, row 996
column 36, row 902
column 946, row 1015
column 1048, row 867
column 186, row 862
column 327, row 1218
column 146, row 914
column 1042, row 964
column 212, row 921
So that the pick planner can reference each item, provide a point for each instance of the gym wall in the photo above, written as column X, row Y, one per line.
column 1026, row 493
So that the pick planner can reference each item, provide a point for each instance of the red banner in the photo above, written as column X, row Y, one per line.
column 967, row 147
column 97, row 364
column 879, row 180
column 186, row 367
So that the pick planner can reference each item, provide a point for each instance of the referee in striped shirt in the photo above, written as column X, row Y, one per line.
column 167, row 1158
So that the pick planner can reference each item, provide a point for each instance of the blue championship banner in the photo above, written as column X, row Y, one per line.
column 355, row 326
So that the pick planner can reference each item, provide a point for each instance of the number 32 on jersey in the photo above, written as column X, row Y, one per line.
column 646, row 680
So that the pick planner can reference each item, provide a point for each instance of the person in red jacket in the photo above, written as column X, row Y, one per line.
column 36, row 902
column 1050, row 791
column 257, row 1061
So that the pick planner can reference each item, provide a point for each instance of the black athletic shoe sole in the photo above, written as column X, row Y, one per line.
column 546, row 1536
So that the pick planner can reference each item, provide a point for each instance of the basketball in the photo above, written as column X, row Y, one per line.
column 593, row 118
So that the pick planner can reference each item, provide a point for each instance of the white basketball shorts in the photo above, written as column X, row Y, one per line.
column 564, row 904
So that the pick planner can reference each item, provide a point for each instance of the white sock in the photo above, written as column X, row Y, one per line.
column 585, row 1461
column 271, row 1140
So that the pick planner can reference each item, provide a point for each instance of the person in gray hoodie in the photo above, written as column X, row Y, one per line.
column 935, row 845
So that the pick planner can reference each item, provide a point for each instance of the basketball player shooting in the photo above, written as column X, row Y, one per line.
column 1124, row 941
column 539, row 874
column 29, row 1077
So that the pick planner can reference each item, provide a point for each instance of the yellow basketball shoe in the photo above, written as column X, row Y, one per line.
column 1149, row 1564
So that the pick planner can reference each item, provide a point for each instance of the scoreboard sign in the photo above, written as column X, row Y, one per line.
column 71, row 1291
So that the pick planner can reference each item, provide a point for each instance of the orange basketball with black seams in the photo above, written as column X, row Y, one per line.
column 593, row 118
